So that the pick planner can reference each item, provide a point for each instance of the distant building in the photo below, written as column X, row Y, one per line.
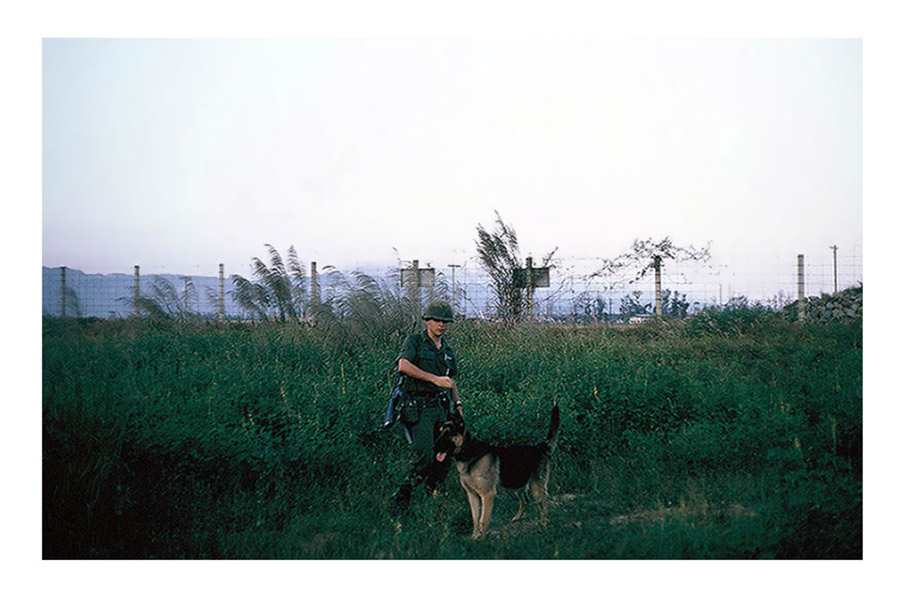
column 636, row 319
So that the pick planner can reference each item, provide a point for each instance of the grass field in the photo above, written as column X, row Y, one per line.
column 737, row 436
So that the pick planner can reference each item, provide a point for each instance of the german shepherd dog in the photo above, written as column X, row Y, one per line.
column 483, row 468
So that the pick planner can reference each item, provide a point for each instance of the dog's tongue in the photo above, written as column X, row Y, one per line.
column 440, row 456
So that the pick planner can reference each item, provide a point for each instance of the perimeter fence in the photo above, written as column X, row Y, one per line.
column 573, row 291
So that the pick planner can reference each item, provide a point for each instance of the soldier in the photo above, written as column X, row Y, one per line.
column 429, row 365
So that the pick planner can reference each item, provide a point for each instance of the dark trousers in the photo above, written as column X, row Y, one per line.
column 421, row 466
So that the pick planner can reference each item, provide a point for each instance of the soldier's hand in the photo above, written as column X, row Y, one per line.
column 444, row 382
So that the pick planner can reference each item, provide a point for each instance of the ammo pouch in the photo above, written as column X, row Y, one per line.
column 412, row 405
column 410, row 410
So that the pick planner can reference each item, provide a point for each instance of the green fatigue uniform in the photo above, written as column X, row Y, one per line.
column 433, row 409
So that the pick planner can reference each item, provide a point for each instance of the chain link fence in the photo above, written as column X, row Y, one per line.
column 575, row 292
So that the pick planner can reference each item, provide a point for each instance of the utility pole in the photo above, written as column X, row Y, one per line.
column 835, row 249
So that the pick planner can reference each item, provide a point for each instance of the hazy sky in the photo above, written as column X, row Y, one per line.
column 181, row 154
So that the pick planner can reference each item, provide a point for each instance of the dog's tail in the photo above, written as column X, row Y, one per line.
column 553, row 436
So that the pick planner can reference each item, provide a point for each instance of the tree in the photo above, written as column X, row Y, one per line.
column 589, row 308
column 631, row 305
column 649, row 254
column 674, row 304
column 498, row 252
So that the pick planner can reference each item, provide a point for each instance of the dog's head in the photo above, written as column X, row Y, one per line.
column 450, row 439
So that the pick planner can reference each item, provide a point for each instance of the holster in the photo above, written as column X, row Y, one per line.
column 393, row 406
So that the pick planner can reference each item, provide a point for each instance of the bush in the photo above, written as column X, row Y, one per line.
column 735, row 318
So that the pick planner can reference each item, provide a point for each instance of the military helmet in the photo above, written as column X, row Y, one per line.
column 439, row 311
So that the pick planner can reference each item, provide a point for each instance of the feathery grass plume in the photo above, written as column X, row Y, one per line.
column 251, row 297
column 297, row 274
column 498, row 252
column 165, row 302
column 73, row 306
column 362, row 309
column 279, row 291
column 353, row 309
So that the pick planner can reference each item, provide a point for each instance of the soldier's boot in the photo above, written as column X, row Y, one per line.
column 437, row 473
column 401, row 498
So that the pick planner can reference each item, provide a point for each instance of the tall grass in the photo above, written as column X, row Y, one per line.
column 173, row 440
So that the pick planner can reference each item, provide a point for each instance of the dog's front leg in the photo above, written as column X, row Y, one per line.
column 475, row 507
column 487, row 505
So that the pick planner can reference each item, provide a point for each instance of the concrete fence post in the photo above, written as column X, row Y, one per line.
column 187, row 304
column 801, row 294
column 529, row 287
column 453, row 268
column 63, row 284
column 314, row 296
column 221, row 292
column 657, row 276
column 137, row 290
column 414, row 288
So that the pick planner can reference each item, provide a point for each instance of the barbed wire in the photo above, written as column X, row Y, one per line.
column 572, row 286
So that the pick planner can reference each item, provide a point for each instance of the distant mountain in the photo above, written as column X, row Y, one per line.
column 109, row 296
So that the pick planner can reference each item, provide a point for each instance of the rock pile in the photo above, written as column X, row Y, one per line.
column 843, row 306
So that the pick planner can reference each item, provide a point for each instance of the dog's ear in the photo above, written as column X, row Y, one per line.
column 457, row 420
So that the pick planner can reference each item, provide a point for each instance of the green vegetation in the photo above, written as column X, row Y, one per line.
column 738, row 435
